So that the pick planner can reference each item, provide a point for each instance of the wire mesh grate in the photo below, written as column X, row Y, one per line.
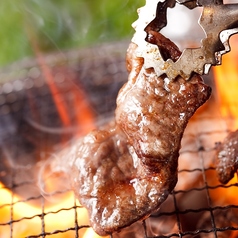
column 198, row 207
column 216, row 227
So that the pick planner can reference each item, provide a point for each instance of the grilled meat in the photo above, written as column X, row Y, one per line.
column 227, row 157
column 124, row 171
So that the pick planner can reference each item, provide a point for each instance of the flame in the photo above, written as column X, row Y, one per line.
column 60, row 216
column 86, row 116
column 225, row 194
column 90, row 233
column 227, row 83
column 28, row 217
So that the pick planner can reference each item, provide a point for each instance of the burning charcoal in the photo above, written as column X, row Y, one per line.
column 123, row 172
column 227, row 157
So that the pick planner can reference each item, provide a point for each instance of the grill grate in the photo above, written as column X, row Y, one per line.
column 214, row 230
column 198, row 207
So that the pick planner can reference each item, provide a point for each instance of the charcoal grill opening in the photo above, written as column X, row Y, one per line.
column 198, row 207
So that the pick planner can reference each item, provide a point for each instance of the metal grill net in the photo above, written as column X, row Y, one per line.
column 187, row 212
column 213, row 213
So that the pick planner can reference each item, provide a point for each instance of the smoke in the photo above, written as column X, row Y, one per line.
column 52, row 177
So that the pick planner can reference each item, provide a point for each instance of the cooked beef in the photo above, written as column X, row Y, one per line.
column 227, row 157
column 124, row 171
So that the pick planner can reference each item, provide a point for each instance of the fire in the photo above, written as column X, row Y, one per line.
column 32, row 220
column 28, row 217
column 227, row 83
column 86, row 118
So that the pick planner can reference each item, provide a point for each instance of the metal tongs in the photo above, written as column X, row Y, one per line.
column 219, row 21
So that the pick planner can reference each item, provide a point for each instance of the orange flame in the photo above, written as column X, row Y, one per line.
column 60, row 216
column 29, row 221
column 86, row 116
column 227, row 83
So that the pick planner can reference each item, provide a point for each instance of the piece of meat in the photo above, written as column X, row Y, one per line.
column 227, row 157
column 167, row 48
column 112, row 183
column 124, row 171
column 153, row 111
